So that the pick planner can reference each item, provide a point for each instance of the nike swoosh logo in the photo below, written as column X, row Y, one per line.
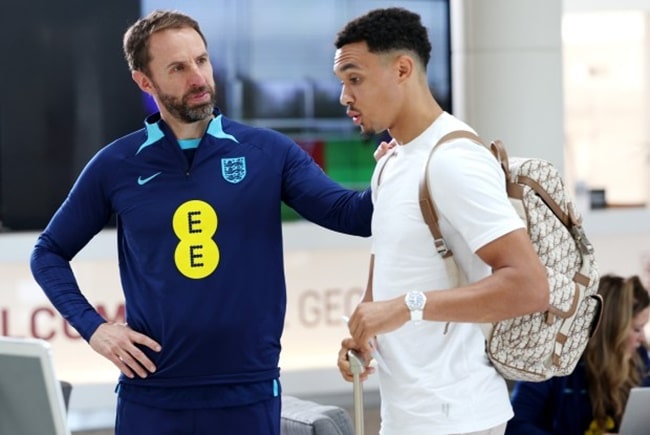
column 143, row 181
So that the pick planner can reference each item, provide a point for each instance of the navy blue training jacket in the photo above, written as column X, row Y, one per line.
column 199, row 245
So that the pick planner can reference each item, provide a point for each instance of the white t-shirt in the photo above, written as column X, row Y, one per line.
column 439, row 383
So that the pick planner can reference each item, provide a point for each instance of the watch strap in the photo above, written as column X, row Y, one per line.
column 416, row 315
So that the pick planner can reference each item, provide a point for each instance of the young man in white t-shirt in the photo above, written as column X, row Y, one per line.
column 437, row 378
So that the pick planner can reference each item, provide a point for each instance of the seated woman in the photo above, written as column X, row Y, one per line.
column 591, row 400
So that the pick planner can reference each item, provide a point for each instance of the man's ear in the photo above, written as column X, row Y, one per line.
column 405, row 66
column 143, row 82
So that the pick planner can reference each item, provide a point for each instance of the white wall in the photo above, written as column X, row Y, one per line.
column 507, row 73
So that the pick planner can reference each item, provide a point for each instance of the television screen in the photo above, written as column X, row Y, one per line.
column 65, row 92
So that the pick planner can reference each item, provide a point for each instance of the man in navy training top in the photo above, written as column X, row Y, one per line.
column 197, row 200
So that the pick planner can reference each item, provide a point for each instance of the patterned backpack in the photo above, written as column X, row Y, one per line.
column 537, row 346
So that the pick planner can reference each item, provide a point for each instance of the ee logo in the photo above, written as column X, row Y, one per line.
column 194, row 223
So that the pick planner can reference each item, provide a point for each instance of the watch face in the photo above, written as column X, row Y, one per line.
column 415, row 300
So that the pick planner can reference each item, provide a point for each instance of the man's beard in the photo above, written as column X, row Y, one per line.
column 368, row 134
column 181, row 110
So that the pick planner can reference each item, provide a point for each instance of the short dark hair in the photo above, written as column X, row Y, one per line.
column 389, row 29
column 136, row 38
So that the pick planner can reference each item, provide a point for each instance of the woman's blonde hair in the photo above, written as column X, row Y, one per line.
column 611, row 370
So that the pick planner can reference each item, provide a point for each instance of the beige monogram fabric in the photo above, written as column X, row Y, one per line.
column 538, row 346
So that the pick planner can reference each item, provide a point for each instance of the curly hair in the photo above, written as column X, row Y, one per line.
column 136, row 38
column 386, row 30
column 611, row 370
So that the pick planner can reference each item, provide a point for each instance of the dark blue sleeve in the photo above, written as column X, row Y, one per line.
column 82, row 215
column 309, row 191
column 531, row 402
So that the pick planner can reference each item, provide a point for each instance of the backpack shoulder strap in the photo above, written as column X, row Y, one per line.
column 382, row 165
column 427, row 204
column 499, row 151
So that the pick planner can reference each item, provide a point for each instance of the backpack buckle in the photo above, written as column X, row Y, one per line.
column 441, row 247
column 584, row 244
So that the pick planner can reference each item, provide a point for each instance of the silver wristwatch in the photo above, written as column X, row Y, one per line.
column 415, row 302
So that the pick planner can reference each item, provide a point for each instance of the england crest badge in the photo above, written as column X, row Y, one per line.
column 233, row 169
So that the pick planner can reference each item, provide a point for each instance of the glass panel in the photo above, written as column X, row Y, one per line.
column 606, row 105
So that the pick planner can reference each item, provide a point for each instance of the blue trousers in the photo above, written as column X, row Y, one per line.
column 261, row 418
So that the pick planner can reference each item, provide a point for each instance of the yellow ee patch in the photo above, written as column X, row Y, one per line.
column 194, row 223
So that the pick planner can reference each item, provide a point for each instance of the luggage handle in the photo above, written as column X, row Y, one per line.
column 357, row 366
